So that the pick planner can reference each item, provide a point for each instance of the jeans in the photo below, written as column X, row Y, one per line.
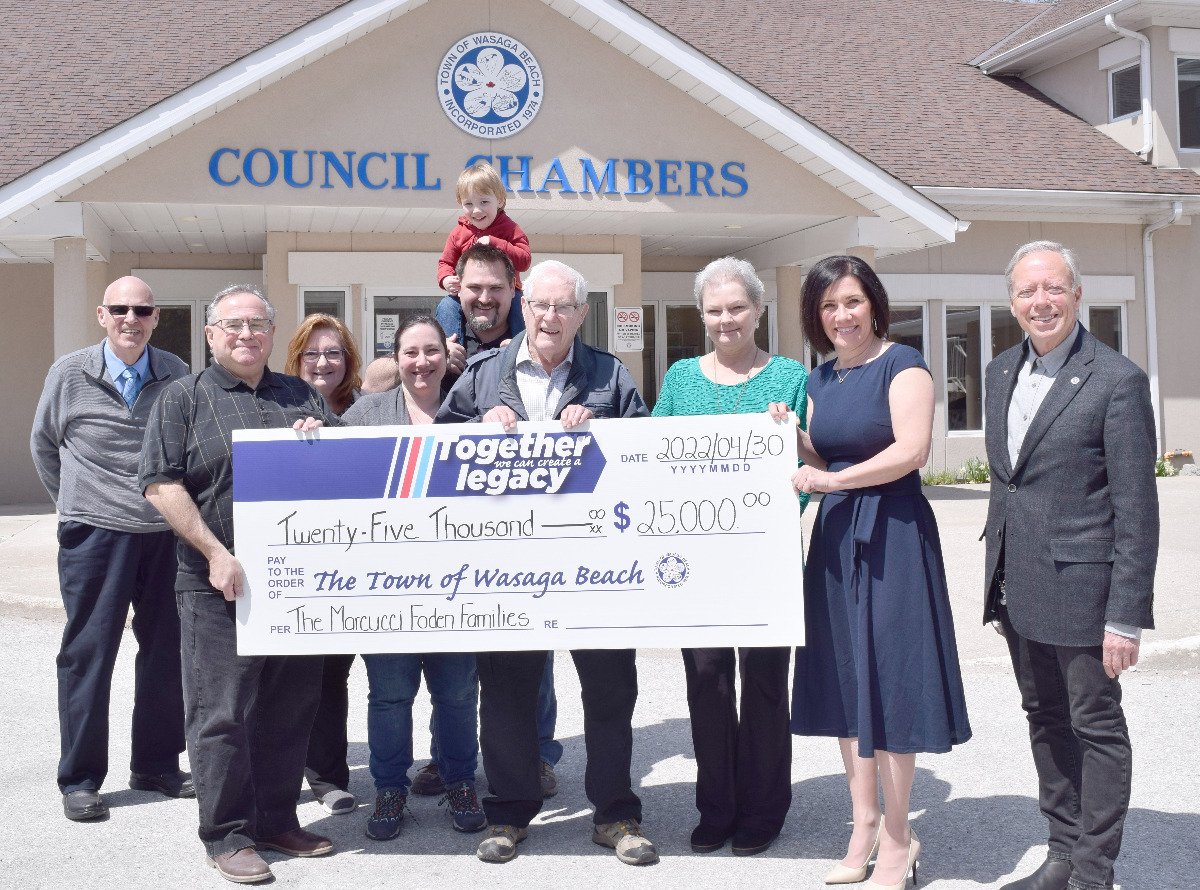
column 744, row 767
column 325, row 766
column 454, row 689
column 248, row 721
column 508, row 686
column 1081, row 751
column 101, row 573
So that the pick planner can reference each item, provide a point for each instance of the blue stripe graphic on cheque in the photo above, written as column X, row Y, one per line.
column 326, row 470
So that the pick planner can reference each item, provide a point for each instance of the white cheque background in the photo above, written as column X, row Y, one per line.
column 674, row 547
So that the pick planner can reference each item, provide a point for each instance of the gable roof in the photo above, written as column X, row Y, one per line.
column 916, row 111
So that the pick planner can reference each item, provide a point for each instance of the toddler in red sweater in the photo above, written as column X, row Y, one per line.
column 482, row 195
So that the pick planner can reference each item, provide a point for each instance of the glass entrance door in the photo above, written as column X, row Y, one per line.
column 181, row 331
column 385, row 311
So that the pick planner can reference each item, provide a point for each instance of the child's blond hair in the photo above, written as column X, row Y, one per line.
column 480, row 177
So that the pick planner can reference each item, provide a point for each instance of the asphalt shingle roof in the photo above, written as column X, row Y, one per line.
column 889, row 78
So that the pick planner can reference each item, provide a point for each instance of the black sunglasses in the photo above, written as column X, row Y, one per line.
column 119, row 309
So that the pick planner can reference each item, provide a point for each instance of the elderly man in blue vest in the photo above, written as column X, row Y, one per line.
column 114, row 550
column 1072, row 542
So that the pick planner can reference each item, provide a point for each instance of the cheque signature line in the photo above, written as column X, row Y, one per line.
column 457, row 630
column 442, row 593
column 654, row 626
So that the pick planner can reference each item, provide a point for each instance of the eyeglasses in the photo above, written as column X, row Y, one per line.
column 333, row 356
column 566, row 310
column 119, row 310
column 235, row 325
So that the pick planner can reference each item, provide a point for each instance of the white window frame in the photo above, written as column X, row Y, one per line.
column 812, row 358
column 199, row 321
column 1110, row 74
column 1085, row 318
column 985, row 356
column 344, row 288
column 1176, row 59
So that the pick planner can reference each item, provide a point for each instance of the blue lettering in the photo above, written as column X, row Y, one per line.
column 400, row 156
column 214, row 165
column 734, row 179
column 363, row 173
column 593, row 182
column 667, row 171
column 556, row 174
column 248, row 167
column 289, row 156
column 695, row 178
column 506, row 173
column 639, row 177
column 344, row 172
column 422, row 185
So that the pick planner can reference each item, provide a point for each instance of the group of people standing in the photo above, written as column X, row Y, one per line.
column 1070, row 556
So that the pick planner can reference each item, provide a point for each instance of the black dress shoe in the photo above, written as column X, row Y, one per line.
column 176, row 784
column 706, row 838
column 1052, row 874
column 749, row 841
column 84, row 805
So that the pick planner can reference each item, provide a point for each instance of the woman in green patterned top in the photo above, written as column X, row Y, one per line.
column 744, row 767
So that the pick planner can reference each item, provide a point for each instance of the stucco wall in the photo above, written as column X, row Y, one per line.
column 26, row 294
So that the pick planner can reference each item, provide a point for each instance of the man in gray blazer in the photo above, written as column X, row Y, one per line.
column 1072, row 541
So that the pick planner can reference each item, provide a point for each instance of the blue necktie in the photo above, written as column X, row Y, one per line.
column 129, row 385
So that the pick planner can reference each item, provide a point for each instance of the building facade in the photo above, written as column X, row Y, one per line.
column 312, row 148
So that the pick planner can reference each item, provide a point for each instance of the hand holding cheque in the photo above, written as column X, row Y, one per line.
column 468, row 538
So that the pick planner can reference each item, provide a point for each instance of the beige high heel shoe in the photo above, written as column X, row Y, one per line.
column 845, row 874
column 914, row 850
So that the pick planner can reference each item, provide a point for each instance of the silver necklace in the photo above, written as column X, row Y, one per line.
column 741, row 389
column 841, row 378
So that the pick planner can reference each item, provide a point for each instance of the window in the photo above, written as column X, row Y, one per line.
column 908, row 327
column 964, row 368
column 330, row 302
column 1187, row 78
column 1125, row 91
column 1105, row 324
column 1006, row 332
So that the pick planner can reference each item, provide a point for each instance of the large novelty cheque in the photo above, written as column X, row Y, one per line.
column 679, row 531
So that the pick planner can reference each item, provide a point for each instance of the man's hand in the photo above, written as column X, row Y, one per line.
column 308, row 425
column 504, row 415
column 456, row 355
column 451, row 284
column 1120, row 653
column 574, row 415
column 226, row 575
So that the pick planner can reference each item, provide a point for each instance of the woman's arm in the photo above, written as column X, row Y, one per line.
column 910, row 402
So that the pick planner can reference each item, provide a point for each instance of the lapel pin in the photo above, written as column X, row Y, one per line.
column 1074, row 381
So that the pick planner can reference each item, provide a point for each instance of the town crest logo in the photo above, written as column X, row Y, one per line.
column 490, row 85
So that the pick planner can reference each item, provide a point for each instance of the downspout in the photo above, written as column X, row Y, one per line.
column 1152, row 313
column 1144, row 70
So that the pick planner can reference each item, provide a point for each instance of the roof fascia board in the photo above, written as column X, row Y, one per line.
column 1061, row 200
column 183, row 110
column 1011, row 57
column 670, row 47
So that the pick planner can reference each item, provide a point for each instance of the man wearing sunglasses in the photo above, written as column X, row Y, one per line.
column 114, row 551
column 248, row 717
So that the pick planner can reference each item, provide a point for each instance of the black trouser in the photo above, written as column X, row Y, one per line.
column 1081, row 750
column 101, row 572
column 325, row 766
column 743, row 767
column 508, row 732
column 248, row 720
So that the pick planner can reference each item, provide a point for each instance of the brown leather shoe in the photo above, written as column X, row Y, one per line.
column 298, row 842
column 242, row 866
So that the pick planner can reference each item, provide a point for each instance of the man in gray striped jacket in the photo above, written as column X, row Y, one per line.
column 114, row 551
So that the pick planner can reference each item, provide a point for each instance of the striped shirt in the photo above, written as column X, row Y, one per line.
column 541, row 391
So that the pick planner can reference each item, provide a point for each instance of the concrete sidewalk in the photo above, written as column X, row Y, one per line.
column 975, row 809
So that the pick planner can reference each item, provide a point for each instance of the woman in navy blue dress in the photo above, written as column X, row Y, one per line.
column 879, row 668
